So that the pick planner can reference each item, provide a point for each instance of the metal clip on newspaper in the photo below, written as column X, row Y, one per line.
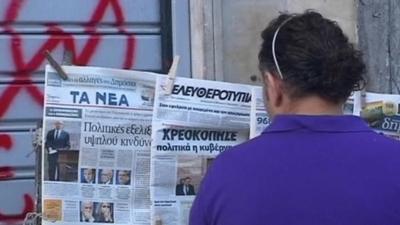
column 172, row 75
column 55, row 65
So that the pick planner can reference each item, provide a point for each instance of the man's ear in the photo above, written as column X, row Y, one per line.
column 274, row 90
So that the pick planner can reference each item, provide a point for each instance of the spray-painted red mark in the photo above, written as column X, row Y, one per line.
column 5, row 142
column 29, row 206
column 6, row 173
column 13, row 10
column 24, row 68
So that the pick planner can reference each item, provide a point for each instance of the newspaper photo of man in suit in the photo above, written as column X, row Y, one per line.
column 56, row 139
column 185, row 187
column 88, row 175
column 123, row 177
column 105, row 176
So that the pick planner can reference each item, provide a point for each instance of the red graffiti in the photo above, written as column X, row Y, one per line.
column 13, row 11
column 6, row 173
column 5, row 142
column 25, row 67
column 29, row 206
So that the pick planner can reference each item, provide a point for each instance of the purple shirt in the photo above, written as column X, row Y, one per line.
column 304, row 170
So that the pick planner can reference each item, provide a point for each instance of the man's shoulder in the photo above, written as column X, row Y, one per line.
column 272, row 144
column 244, row 148
column 239, row 154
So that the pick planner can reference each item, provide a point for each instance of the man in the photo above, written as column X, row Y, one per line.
column 105, row 213
column 56, row 139
column 184, row 187
column 87, row 212
column 88, row 175
column 312, row 165
column 106, row 176
column 124, row 177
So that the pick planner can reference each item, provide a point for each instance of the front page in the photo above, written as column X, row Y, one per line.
column 381, row 112
column 97, row 134
column 191, row 126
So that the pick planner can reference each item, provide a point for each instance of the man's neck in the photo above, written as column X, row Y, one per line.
column 313, row 105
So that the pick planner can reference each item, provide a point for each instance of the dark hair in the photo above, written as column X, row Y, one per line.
column 314, row 56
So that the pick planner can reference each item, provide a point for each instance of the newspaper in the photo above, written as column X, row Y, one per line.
column 191, row 126
column 381, row 112
column 97, row 134
column 259, row 118
column 351, row 103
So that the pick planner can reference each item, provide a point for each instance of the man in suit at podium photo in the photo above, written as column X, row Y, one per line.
column 56, row 139
column 184, row 187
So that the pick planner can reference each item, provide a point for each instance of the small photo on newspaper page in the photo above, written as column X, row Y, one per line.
column 192, row 125
column 382, row 113
column 96, row 153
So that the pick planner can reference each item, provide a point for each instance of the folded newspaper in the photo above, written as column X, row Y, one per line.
column 381, row 112
column 96, row 157
column 191, row 126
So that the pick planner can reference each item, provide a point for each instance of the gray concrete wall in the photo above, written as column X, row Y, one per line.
column 379, row 38
column 242, row 21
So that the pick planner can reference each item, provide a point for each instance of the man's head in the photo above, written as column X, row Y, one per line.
column 307, row 56
column 87, row 209
column 105, row 209
column 88, row 174
column 106, row 176
column 187, row 180
column 124, row 177
column 58, row 124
